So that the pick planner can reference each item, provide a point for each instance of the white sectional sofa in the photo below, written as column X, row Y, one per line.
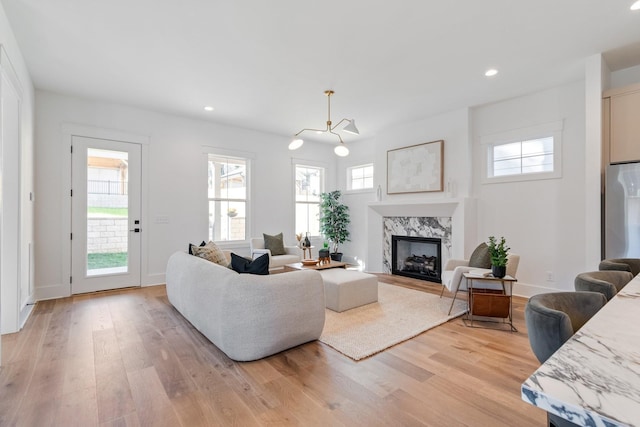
column 246, row 316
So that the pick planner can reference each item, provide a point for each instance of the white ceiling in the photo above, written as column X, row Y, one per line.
column 264, row 64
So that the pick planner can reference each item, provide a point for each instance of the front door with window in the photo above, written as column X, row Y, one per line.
column 105, row 214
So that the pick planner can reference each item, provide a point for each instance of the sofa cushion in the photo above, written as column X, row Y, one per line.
column 274, row 243
column 210, row 252
column 480, row 258
column 243, row 265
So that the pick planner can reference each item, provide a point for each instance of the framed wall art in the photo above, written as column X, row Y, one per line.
column 415, row 169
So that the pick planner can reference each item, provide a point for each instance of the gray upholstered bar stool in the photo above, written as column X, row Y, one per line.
column 552, row 319
column 623, row 264
column 607, row 282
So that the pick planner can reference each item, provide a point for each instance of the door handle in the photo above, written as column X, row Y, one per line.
column 135, row 230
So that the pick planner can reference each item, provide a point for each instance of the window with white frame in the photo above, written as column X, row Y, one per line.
column 308, row 186
column 524, row 154
column 360, row 177
column 228, row 190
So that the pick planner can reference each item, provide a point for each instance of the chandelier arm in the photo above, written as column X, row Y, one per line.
column 338, row 135
column 340, row 122
column 315, row 130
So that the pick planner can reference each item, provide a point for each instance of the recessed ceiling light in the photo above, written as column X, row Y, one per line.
column 208, row 108
column 492, row 71
column 635, row 6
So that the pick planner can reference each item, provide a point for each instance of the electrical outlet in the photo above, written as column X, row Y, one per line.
column 550, row 276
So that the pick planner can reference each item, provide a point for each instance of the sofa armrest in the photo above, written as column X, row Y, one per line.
column 292, row 250
column 457, row 278
column 452, row 263
column 259, row 252
column 277, row 312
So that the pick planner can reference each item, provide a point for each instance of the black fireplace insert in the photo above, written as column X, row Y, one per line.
column 417, row 257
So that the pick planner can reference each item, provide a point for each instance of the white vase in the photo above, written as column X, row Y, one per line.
column 379, row 194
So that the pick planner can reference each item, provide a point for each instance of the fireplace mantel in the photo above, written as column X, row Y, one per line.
column 435, row 207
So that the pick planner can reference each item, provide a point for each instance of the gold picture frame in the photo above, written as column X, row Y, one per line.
column 416, row 168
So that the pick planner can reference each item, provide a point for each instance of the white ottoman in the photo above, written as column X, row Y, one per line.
column 346, row 289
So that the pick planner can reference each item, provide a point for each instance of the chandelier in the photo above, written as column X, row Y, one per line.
column 341, row 149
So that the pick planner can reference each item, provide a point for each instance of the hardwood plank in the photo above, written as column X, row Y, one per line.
column 163, row 358
column 308, row 411
column 152, row 403
column 14, row 383
column 404, row 366
column 26, row 344
column 193, row 409
column 130, row 420
column 113, row 393
column 79, row 374
column 78, row 408
column 100, row 313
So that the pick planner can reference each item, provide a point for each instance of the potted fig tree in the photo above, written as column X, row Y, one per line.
column 334, row 221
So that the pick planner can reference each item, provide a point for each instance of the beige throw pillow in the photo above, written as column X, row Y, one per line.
column 210, row 252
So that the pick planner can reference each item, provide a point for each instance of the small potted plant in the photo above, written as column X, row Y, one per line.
column 498, row 251
column 334, row 220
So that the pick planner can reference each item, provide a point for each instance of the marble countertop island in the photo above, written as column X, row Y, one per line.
column 594, row 378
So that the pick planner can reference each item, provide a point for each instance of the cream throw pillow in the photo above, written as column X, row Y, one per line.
column 210, row 252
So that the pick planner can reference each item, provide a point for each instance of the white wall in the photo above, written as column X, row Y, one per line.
column 544, row 220
column 174, row 178
column 19, row 270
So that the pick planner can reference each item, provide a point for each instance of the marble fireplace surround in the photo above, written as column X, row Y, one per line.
column 452, row 219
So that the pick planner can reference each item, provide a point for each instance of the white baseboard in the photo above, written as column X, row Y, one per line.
column 25, row 313
column 52, row 292
column 61, row 291
column 526, row 290
column 154, row 279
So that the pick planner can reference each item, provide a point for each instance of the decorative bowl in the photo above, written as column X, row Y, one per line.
column 309, row 262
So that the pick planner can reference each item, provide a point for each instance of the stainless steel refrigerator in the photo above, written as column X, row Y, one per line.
column 622, row 211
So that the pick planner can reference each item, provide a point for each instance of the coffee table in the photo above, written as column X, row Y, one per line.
column 300, row 266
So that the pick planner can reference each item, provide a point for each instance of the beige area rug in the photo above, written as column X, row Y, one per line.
column 399, row 314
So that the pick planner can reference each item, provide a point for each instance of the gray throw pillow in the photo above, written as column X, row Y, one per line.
column 480, row 258
column 274, row 243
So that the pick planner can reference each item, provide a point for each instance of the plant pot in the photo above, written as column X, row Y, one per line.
column 336, row 256
column 499, row 271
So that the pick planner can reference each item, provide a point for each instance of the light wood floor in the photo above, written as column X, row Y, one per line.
column 128, row 358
